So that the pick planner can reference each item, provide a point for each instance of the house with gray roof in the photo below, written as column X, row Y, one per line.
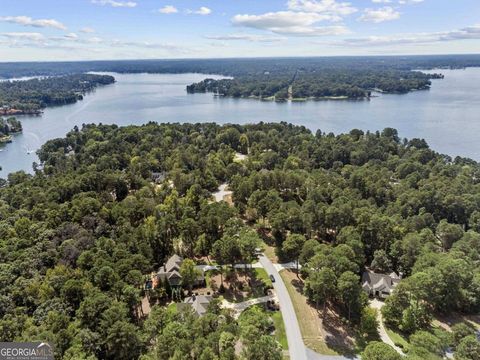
column 379, row 285
column 158, row 177
column 198, row 303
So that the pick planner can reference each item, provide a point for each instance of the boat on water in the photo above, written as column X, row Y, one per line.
column 30, row 151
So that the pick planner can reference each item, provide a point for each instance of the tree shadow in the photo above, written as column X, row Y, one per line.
column 244, row 285
column 339, row 336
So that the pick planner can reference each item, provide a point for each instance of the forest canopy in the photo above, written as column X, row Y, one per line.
column 77, row 236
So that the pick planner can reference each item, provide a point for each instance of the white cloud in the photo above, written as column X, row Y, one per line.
column 72, row 36
column 168, row 9
column 87, row 30
column 30, row 36
column 203, row 10
column 301, row 18
column 246, row 37
column 382, row 1
column 386, row 13
column 94, row 40
column 291, row 23
column 331, row 7
column 404, row 2
column 115, row 3
column 28, row 21
column 467, row 33
column 145, row 44
column 72, row 42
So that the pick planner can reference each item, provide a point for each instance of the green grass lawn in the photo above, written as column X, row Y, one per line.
column 280, row 333
column 261, row 274
column 172, row 308
column 397, row 338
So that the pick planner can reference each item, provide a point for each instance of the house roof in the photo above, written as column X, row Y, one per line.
column 174, row 274
column 199, row 303
column 159, row 176
column 173, row 263
column 379, row 282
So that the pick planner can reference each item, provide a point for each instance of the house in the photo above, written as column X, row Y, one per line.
column 379, row 285
column 199, row 304
column 158, row 177
column 170, row 272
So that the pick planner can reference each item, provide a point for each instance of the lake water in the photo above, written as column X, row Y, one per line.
column 447, row 116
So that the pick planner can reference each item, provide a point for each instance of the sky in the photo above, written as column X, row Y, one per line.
column 43, row 30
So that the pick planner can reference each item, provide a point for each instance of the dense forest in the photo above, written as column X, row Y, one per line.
column 77, row 237
column 317, row 84
column 32, row 95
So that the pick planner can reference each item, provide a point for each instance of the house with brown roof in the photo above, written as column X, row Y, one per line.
column 170, row 272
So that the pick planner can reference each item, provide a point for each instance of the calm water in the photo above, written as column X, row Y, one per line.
column 447, row 116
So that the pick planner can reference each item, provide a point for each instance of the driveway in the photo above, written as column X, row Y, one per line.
column 296, row 347
column 204, row 268
column 241, row 306
column 377, row 304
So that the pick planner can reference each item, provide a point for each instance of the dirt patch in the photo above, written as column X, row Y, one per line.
column 145, row 306
column 240, row 285
column 447, row 321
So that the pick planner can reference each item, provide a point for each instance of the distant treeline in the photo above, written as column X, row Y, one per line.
column 35, row 94
column 317, row 77
column 238, row 67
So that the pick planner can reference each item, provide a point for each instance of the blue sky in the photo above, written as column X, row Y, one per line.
column 34, row 30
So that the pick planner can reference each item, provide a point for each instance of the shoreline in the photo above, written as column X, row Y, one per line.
column 313, row 98
column 16, row 112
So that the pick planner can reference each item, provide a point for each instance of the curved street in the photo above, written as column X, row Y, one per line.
column 296, row 346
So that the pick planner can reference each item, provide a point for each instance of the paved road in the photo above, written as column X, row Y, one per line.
column 296, row 346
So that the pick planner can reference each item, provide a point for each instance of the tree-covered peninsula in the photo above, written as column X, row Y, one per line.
column 8, row 127
column 31, row 96
column 282, row 84
column 110, row 205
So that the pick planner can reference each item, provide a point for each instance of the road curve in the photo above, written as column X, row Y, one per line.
column 296, row 347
